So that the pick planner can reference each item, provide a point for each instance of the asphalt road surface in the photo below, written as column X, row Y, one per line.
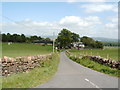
column 73, row 75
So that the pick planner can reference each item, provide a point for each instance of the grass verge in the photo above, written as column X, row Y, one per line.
column 95, row 66
column 34, row 77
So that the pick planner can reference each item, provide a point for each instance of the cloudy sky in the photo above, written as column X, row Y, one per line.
column 94, row 19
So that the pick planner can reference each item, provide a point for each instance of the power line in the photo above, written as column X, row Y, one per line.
column 19, row 23
column 15, row 22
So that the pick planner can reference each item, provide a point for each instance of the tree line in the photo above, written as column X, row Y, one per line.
column 91, row 43
column 112, row 44
column 66, row 37
column 22, row 38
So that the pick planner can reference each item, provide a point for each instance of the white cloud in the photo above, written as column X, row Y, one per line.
column 113, row 19
column 96, row 0
column 91, row 20
column 111, row 26
column 31, row 28
column 90, row 26
column 71, row 1
column 110, row 30
column 92, row 8
column 70, row 19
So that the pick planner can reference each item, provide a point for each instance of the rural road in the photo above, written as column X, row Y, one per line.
column 72, row 75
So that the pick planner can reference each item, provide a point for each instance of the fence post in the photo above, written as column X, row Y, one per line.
column 97, row 54
column 107, row 56
column 75, row 56
column 91, row 53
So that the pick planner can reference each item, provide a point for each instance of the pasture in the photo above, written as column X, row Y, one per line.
column 107, row 52
column 24, row 49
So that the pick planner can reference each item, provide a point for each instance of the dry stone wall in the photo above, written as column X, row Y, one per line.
column 108, row 62
column 21, row 64
column 101, row 60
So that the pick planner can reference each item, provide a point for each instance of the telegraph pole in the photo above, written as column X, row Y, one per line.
column 53, row 43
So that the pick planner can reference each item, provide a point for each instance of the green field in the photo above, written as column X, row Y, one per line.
column 107, row 52
column 24, row 49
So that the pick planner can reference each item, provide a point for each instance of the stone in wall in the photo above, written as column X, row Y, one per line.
column 21, row 64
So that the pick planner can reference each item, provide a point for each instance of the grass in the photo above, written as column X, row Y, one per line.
column 34, row 77
column 0, row 49
column 113, row 52
column 96, row 66
column 24, row 49
column 107, row 52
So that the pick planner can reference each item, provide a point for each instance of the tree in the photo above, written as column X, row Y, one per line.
column 75, row 37
column 65, row 38
column 15, row 38
column 87, row 41
column 23, row 38
column 33, row 38
column 47, row 39
column 91, row 43
column 20, row 38
column 99, row 44
column 4, row 38
column 40, row 38
column 8, row 37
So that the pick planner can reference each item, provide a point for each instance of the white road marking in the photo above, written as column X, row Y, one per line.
column 92, row 84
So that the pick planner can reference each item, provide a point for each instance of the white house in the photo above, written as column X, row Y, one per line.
column 78, row 45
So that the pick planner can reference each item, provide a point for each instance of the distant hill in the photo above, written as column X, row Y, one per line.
column 105, row 39
column 51, row 37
